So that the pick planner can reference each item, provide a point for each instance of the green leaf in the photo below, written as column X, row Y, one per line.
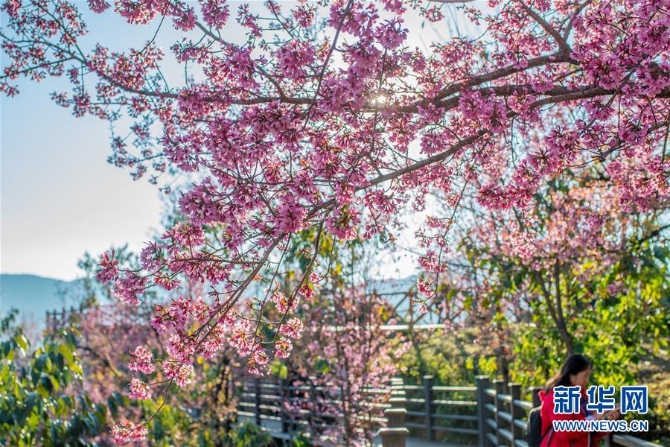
column 67, row 354
column 47, row 383
column 41, row 362
column 469, row 363
column 322, row 366
column 77, row 369
column 23, row 343
column 279, row 369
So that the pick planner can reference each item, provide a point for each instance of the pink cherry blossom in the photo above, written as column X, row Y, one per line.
column 139, row 390
column 143, row 361
column 181, row 374
column 127, row 431
column 108, row 268
column 292, row 328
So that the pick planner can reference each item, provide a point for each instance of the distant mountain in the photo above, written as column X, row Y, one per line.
column 33, row 295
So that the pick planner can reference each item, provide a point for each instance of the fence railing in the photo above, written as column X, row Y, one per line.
column 56, row 320
column 489, row 414
column 287, row 408
column 497, row 415
column 434, row 412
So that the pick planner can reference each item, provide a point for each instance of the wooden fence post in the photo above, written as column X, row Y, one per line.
column 396, row 417
column 395, row 433
column 393, row 437
column 429, row 397
column 482, row 384
column 257, row 400
column 500, row 406
column 516, row 412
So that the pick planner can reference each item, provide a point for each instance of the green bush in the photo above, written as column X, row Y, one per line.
column 40, row 398
column 249, row 434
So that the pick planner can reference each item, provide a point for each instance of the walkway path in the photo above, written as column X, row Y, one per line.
column 274, row 427
column 413, row 442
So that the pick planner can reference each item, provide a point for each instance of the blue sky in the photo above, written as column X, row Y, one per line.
column 58, row 196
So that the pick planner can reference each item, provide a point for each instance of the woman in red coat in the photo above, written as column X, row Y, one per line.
column 576, row 371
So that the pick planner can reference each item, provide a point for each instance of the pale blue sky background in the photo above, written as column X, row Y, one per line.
column 58, row 196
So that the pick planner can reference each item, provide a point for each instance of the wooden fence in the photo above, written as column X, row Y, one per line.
column 56, row 320
column 265, row 402
column 286, row 408
column 496, row 415
column 486, row 415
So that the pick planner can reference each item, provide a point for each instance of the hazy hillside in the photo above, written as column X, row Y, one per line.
column 33, row 295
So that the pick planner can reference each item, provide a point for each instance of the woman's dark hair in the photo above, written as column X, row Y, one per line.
column 574, row 364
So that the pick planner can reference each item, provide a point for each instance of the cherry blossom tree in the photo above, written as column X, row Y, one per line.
column 115, row 339
column 116, row 346
column 576, row 272
column 325, row 117
column 341, row 351
column 347, row 354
